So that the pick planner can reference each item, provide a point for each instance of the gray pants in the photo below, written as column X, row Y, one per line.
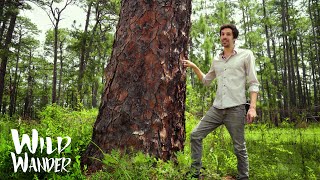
column 234, row 120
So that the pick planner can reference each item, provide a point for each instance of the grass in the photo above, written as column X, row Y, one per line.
column 274, row 153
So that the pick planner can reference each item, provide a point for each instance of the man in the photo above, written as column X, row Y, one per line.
column 232, row 68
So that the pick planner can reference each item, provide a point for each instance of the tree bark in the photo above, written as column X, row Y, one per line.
column 299, row 87
column 61, row 43
column 5, row 54
column 13, row 92
column 285, row 72
column 55, row 61
column 316, row 50
column 4, row 17
column 45, row 96
column 95, row 86
column 2, row 3
column 304, row 75
column 142, row 107
column 83, row 52
column 27, row 112
column 56, row 13
column 278, row 89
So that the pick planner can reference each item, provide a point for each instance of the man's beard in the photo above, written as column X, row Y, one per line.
column 226, row 44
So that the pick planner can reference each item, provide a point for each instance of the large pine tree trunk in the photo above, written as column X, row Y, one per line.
column 143, row 103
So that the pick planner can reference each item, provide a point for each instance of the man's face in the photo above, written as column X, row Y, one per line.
column 226, row 37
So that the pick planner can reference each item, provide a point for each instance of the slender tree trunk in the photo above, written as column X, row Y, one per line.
column 56, row 13
column 316, row 34
column 60, row 71
column 314, row 78
column 73, row 101
column 290, row 50
column 45, row 96
column 2, row 3
column 142, row 106
column 277, row 85
column 3, row 20
column 95, row 86
column 300, row 94
column 13, row 93
column 83, row 53
column 244, row 24
column 266, row 29
column 262, row 89
column 271, row 99
column 27, row 113
column 292, row 79
column 315, row 62
column 5, row 54
column 2, row 29
column 304, row 75
column 55, row 61
column 286, row 83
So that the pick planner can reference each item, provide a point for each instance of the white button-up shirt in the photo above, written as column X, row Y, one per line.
column 232, row 74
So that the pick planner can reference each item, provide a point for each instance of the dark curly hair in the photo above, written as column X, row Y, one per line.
column 234, row 29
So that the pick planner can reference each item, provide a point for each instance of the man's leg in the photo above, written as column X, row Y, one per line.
column 235, row 122
column 208, row 123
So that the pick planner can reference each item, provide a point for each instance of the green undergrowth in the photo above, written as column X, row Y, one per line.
column 274, row 153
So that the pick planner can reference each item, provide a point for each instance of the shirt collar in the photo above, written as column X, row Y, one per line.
column 234, row 52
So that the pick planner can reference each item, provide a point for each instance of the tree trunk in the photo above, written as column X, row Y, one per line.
column 27, row 112
column 142, row 106
column 304, row 75
column 55, row 20
column 314, row 74
column 13, row 93
column 5, row 54
column 55, row 61
column 266, row 29
column 95, row 86
column 2, row 3
column 285, row 73
column 2, row 29
column 60, row 71
column 290, row 51
column 3, row 19
column 299, row 88
column 83, row 53
column 45, row 96
column 244, row 23
column 316, row 50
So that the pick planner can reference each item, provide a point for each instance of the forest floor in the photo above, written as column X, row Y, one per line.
column 284, row 152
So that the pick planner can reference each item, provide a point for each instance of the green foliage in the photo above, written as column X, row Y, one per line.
column 274, row 153
column 284, row 153
column 55, row 122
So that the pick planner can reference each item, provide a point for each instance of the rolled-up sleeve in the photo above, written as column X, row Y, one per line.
column 209, row 77
column 251, row 73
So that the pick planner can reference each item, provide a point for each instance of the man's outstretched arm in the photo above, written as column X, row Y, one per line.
column 200, row 74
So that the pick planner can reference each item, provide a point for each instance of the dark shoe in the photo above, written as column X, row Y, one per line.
column 193, row 173
column 243, row 178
